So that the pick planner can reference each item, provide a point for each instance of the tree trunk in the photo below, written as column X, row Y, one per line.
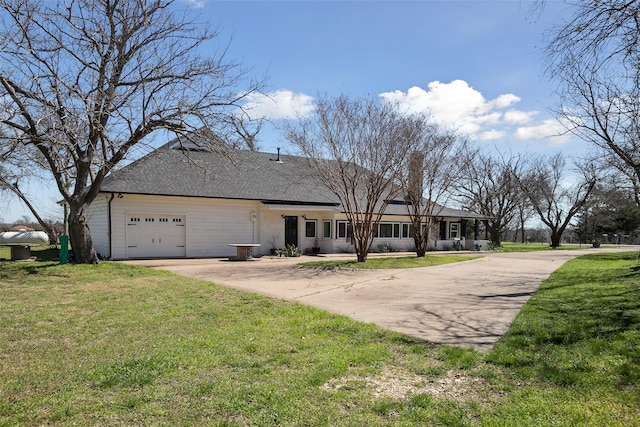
column 421, row 241
column 79, row 235
column 494, row 233
column 361, row 246
column 421, row 244
column 556, row 235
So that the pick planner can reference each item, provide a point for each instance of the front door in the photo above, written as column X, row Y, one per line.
column 291, row 230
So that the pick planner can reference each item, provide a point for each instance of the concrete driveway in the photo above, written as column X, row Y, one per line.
column 471, row 303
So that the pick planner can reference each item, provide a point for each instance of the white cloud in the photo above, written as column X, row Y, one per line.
column 455, row 105
column 517, row 117
column 504, row 101
column 489, row 119
column 198, row 4
column 550, row 129
column 462, row 107
column 491, row 135
column 281, row 104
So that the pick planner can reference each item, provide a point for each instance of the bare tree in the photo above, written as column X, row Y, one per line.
column 616, row 169
column 595, row 58
column 488, row 185
column 555, row 202
column 84, row 82
column 524, row 212
column 244, row 131
column 427, row 180
column 599, row 33
column 358, row 147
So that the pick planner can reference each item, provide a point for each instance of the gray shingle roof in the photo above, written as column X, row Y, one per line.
column 439, row 211
column 246, row 175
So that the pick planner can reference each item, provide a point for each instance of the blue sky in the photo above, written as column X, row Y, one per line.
column 475, row 65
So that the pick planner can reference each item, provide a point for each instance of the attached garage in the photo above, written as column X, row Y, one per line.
column 155, row 236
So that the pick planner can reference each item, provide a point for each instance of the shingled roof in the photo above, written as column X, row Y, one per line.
column 240, row 174
column 246, row 175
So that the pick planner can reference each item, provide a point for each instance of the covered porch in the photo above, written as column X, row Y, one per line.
column 462, row 234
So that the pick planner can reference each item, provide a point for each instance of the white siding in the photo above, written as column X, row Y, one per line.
column 272, row 229
column 97, row 220
column 211, row 224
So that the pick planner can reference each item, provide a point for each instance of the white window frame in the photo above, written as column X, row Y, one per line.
column 347, row 230
column 407, row 230
column 306, row 228
column 454, row 230
column 388, row 228
column 326, row 230
column 395, row 230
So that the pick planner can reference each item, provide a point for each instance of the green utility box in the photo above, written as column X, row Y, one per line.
column 64, row 249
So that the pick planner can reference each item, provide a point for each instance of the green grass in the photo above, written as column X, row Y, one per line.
column 392, row 262
column 537, row 246
column 115, row 344
column 576, row 344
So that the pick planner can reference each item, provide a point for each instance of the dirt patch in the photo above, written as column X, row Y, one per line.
column 397, row 384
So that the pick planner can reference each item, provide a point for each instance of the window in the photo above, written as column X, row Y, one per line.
column 453, row 230
column 407, row 231
column 310, row 228
column 326, row 229
column 344, row 230
column 386, row 230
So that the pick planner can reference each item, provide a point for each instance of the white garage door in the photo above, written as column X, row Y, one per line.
column 155, row 236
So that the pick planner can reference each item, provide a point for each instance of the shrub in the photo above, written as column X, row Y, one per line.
column 386, row 247
column 289, row 251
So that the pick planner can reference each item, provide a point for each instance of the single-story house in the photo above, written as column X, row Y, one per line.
column 168, row 204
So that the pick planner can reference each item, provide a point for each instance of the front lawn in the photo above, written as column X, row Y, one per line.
column 115, row 344
column 392, row 262
column 537, row 246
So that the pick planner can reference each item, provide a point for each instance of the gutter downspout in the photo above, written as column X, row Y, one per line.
column 113, row 195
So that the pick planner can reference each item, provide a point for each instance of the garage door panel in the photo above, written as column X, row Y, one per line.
column 156, row 236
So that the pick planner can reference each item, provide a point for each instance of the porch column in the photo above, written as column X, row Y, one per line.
column 486, row 229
